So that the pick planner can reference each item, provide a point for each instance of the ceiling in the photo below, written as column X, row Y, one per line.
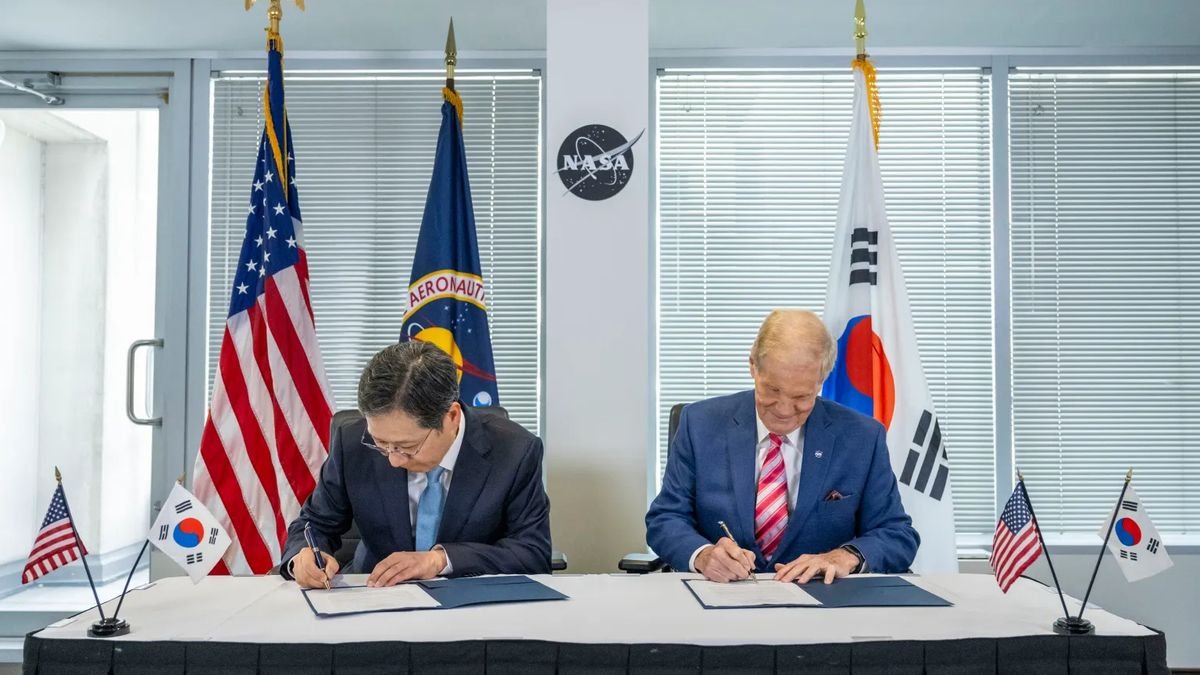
column 196, row 26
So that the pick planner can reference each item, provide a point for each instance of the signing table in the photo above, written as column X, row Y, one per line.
column 610, row 623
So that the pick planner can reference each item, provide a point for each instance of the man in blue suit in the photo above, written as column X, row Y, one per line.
column 435, row 488
column 805, row 485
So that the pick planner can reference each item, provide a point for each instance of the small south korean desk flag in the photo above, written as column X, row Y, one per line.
column 189, row 534
column 1135, row 542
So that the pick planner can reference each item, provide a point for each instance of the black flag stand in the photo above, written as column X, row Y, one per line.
column 1067, row 624
column 1104, row 546
column 106, row 626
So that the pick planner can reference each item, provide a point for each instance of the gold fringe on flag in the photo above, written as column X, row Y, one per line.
column 454, row 100
column 868, row 69
column 276, row 143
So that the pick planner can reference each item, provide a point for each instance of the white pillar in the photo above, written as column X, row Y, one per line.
column 598, row 286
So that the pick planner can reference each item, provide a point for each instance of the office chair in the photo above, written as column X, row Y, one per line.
column 351, row 539
column 641, row 563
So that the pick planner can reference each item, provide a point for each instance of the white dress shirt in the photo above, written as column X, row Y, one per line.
column 418, row 481
column 793, row 454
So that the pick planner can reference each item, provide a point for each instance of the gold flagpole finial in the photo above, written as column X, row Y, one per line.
column 182, row 477
column 57, row 475
column 275, row 12
column 1020, row 477
column 1129, row 475
column 860, row 28
column 451, row 56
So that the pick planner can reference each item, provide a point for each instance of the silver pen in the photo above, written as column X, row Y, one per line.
column 730, row 535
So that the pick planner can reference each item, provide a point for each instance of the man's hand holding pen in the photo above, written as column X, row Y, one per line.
column 308, row 574
column 725, row 561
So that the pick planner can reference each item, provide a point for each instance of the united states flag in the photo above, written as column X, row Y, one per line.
column 1015, row 546
column 55, row 544
column 267, row 432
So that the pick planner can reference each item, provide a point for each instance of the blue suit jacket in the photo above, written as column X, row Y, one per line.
column 496, row 518
column 711, row 476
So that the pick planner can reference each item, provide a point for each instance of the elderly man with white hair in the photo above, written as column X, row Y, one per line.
column 804, row 485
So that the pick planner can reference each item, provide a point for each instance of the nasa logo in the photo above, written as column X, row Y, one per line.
column 595, row 161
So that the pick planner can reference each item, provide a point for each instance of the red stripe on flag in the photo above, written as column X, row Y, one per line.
column 302, row 275
column 303, row 377
column 257, row 450
column 229, row 490
column 259, row 340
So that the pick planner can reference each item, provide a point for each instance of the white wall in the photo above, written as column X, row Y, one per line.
column 20, row 307
column 597, row 321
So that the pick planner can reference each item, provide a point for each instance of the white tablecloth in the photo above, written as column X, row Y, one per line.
column 627, row 609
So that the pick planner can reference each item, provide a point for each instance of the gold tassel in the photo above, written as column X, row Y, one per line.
column 455, row 100
column 868, row 70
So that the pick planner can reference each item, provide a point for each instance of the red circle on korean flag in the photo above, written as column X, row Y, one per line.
column 1128, row 532
column 188, row 532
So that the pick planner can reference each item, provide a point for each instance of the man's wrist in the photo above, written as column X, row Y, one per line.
column 861, row 561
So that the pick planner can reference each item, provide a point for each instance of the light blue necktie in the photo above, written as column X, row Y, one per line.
column 429, row 510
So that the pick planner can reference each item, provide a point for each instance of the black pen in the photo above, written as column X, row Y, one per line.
column 730, row 535
column 320, row 559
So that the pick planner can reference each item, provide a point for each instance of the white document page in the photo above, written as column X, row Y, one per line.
column 352, row 599
column 765, row 591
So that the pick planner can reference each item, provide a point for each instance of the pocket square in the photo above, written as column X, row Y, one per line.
column 833, row 496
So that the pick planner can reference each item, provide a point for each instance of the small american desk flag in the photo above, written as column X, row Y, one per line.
column 1015, row 546
column 55, row 544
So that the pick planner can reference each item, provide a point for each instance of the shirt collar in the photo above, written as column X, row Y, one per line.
column 763, row 432
column 451, row 456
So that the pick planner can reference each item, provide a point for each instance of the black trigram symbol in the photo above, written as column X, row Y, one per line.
column 1128, row 555
column 926, row 455
column 194, row 558
column 1127, row 505
column 184, row 505
column 162, row 532
column 864, row 257
column 212, row 535
column 1152, row 545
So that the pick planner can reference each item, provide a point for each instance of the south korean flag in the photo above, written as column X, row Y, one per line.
column 1134, row 540
column 189, row 534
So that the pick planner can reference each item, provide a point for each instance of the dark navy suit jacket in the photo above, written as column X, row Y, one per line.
column 711, row 476
column 496, row 518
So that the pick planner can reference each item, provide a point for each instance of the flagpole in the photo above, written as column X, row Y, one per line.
column 451, row 56
column 1042, row 540
column 130, row 577
column 79, row 543
column 1107, row 536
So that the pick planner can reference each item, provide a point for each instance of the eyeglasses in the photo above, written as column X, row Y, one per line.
column 387, row 450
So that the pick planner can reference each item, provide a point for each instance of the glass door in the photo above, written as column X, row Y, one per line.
column 79, row 261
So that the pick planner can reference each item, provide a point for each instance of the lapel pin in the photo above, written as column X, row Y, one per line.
column 818, row 454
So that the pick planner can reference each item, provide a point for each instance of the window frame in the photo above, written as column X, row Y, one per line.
column 997, row 66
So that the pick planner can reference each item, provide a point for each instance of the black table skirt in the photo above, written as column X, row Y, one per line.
column 1040, row 655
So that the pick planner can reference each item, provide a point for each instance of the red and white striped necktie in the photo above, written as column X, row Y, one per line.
column 770, row 510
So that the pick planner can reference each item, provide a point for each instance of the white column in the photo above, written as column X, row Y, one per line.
column 598, row 287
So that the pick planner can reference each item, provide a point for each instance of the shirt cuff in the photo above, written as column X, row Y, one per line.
column 695, row 554
column 449, row 568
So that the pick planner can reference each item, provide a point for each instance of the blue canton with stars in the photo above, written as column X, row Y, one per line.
column 1016, row 512
column 58, row 508
column 271, row 244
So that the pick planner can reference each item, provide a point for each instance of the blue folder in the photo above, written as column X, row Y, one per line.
column 872, row 592
column 451, row 593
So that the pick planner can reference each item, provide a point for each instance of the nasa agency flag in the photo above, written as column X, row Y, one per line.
column 447, row 303
column 1135, row 542
column 878, row 370
column 189, row 534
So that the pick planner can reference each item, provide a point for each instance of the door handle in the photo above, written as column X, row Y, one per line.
column 145, row 421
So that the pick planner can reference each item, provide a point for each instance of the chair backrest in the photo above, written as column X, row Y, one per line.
column 673, row 423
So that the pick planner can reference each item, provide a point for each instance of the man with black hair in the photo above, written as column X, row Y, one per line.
column 436, row 488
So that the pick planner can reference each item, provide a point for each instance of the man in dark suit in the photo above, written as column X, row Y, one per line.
column 805, row 485
column 435, row 488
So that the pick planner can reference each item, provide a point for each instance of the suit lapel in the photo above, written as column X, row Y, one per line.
column 740, row 442
column 819, row 443
column 392, row 485
column 466, row 482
